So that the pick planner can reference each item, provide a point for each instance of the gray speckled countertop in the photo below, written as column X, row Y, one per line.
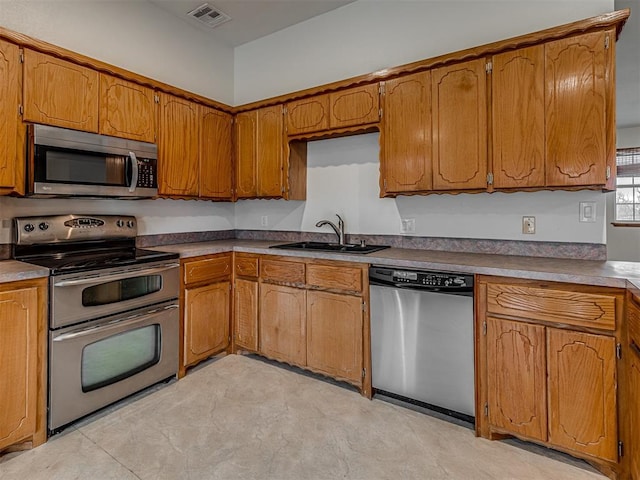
column 587, row 272
column 13, row 271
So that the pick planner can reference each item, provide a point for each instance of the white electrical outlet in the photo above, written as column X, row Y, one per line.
column 588, row 212
column 264, row 220
column 529, row 225
column 408, row 225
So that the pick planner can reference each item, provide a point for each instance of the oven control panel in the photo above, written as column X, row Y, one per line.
column 72, row 228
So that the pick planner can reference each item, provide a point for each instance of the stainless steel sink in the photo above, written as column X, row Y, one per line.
column 331, row 247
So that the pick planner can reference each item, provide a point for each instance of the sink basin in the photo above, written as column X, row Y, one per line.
column 331, row 247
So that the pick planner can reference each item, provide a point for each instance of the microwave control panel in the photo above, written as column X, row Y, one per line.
column 147, row 173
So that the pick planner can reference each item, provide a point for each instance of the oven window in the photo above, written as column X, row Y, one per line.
column 121, row 290
column 120, row 356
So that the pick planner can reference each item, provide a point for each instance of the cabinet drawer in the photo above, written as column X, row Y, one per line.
column 336, row 277
column 209, row 268
column 282, row 271
column 246, row 265
column 561, row 306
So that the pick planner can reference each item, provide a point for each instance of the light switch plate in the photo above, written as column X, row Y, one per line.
column 588, row 212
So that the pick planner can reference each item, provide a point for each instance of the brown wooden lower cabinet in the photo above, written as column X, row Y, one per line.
column 547, row 370
column 206, row 308
column 283, row 323
column 630, row 416
column 245, row 305
column 334, row 335
column 22, row 363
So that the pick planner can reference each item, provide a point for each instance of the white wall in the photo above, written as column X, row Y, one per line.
column 135, row 35
column 154, row 216
column 366, row 36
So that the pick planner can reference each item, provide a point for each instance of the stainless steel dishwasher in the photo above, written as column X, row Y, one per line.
column 422, row 338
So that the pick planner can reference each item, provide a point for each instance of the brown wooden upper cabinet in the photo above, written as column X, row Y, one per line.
column 552, row 117
column 178, row 142
column 12, row 131
column 127, row 109
column 405, row 131
column 194, row 150
column 579, row 89
column 459, row 121
column 263, row 165
column 57, row 92
column 341, row 109
column 216, row 154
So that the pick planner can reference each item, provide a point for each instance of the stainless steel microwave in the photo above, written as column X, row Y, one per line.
column 70, row 163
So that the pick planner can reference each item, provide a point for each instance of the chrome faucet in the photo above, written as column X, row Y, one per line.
column 339, row 230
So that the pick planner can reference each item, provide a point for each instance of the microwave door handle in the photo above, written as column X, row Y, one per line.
column 134, row 171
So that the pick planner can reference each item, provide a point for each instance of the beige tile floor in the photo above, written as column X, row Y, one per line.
column 243, row 418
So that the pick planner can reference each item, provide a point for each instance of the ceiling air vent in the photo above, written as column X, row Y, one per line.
column 209, row 15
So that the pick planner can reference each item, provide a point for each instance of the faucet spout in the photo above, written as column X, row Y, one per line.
column 338, row 230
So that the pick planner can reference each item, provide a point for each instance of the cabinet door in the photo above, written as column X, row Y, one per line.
column 18, row 364
column 334, row 335
column 308, row 115
column 582, row 392
column 245, row 143
column 405, row 142
column 206, row 322
column 57, row 92
column 631, row 355
column 355, row 106
column 459, row 113
column 283, row 323
column 178, row 147
column 517, row 394
column 518, row 118
column 576, row 94
column 127, row 110
column 216, row 157
column 270, row 149
column 246, row 314
column 11, row 152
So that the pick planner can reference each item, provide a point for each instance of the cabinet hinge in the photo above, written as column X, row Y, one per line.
column 21, row 56
column 156, row 98
column 364, row 372
column 620, row 449
column 384, row 182
column 486, row 409
column 284, row 110
column 229, row 338
column 364, row 306
column 21, row 109
column 606, row 41
column 608, row 172
column 380, row 113
column 618, row 351
column 489, row 178
column 381, row 88
column 484, row 328
column 489, row 67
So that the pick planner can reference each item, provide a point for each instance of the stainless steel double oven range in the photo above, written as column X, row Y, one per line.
column 113, row 310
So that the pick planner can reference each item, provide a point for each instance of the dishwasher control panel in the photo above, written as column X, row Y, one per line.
column 420, row 279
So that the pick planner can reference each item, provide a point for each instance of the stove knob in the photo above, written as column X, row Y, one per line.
column 120, row 223
column 43, row 226
column 29, row 227
column 131, row 224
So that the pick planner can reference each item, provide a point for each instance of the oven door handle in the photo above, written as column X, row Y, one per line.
column 112, row 278
column 117, row 324
column 134, row 171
